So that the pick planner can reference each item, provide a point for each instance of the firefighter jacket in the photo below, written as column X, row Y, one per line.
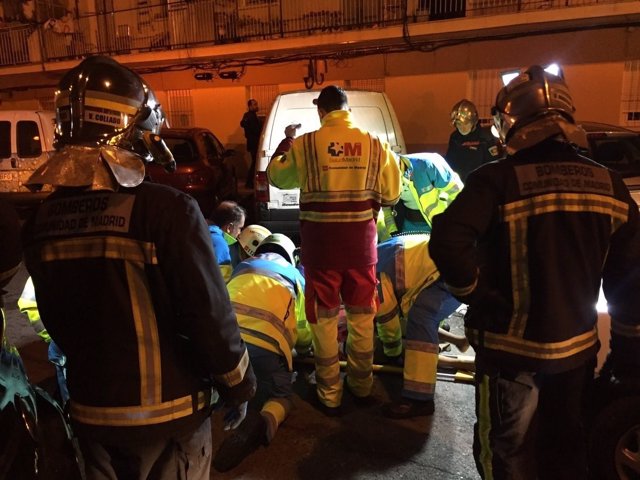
column 137, row 269
column 526, row 244
column 465, row 153
column 405, row 269
column 430, row 185
column 267, row 294
column 345, row 174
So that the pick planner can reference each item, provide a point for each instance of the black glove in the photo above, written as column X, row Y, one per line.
column 240, row 393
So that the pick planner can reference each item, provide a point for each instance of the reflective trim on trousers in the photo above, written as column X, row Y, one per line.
column 325, row 345
column 420, row 369
column 360, row 352
column 275, row 411
column 529, row 425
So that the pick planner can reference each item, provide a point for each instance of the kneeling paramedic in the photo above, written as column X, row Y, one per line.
column 267, row 293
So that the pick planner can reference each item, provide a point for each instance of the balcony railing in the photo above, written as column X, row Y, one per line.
column 181, row 24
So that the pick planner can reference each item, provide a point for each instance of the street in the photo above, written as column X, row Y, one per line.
column 359, row 445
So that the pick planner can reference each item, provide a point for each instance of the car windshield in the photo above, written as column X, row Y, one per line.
column 619, row 153
column 183, row 150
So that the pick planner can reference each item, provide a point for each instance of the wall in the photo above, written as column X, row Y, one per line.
column 423, row 85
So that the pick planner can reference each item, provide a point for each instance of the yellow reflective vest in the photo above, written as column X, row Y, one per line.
column 431, row 185
column 405, row 268
column 27, row 304
column 267, row 294
column 344, row 174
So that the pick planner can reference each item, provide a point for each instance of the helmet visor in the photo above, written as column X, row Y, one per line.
column 464, row 125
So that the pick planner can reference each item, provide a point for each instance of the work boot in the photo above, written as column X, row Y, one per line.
column 395, row 361
column 242, row 442
column 313, row 399
column 366, row 401
column 406, row 408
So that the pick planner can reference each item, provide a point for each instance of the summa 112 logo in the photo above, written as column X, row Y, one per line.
column 348, row 149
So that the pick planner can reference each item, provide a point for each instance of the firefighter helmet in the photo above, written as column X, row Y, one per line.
column 464, row 116
column 251, row 236
column 281, row 244
column 532, row 95
column 103, row 102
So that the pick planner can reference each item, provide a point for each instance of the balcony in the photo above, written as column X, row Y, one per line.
column 197, row 33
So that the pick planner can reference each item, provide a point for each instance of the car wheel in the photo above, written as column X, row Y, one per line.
column 615, row 440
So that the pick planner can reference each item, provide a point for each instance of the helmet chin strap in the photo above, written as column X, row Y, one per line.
column 159, row 151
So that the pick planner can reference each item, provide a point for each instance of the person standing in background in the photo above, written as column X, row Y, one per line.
column 470, row 144
column 252, row 126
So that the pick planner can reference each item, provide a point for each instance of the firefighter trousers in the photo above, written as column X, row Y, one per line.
column 529, row 425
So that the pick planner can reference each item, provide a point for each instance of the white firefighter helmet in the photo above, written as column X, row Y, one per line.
column 250, row 238
column 281, row 244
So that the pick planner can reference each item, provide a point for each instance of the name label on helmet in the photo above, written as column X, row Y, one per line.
column 546, row 177
column 103, row 118
column 99, row 212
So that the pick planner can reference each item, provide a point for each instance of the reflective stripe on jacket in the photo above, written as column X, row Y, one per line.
column 405, row 263
column 345, row 174
column 527, row 242
column 136, row 267
column 267, row 293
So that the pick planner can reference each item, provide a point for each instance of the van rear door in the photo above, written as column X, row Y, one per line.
column 26, row 141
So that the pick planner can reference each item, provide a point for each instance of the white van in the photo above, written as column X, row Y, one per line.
column 26, row 141
column 278, row 209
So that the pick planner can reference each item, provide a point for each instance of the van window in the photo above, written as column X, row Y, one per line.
column 5, row 139
column 28, row 136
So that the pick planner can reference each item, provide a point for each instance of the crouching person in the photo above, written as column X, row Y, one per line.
column 267, row 293
column 411, row 289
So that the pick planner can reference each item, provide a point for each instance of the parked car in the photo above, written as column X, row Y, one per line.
column 203, row 167
column 613, row 414
column 617, row 148
column 613, row 421
column 26, row 141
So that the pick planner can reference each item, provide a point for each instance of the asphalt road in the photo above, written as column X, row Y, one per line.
column 359, row 445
